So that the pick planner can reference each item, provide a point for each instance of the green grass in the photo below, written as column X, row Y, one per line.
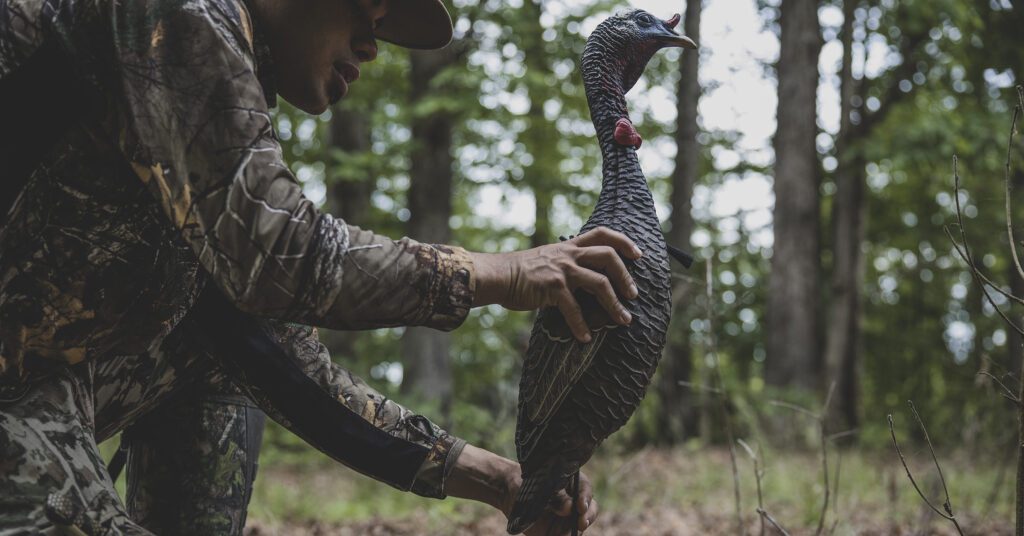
column 874, row 493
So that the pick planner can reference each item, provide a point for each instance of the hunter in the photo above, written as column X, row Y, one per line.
column 151, row 236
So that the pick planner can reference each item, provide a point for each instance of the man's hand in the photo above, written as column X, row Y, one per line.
column 548, row 275
column 486, row 477
column 559, row 518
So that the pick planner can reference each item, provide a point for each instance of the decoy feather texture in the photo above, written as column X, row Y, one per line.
column 573, row 395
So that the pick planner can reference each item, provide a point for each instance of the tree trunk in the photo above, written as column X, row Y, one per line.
column 843, row 338
column 793, row 347
column 348, row 198
column 677, row 412
column 541, row 136
column 427, row 370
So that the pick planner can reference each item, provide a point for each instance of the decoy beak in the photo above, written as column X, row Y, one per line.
column 672, row 39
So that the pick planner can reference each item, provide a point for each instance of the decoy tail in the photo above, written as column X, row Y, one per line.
column 683, row 257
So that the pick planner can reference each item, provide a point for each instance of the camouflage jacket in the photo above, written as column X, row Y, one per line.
column 139, row 163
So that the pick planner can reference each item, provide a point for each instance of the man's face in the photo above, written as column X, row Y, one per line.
column 318, row 46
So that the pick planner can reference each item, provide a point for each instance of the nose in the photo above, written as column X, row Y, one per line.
column 365, row 48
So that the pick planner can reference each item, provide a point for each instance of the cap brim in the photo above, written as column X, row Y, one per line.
column 419, row 24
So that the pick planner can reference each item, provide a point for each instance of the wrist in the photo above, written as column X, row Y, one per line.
column 485, row 477
column 492, row 275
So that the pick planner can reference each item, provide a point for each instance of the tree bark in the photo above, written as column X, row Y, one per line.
column 793, row 342
column 427, row 371
column 843, row 332
column 348, row 198
column 540, row 137
column 677, row 412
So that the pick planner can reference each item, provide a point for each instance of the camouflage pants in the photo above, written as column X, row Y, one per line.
column 192, row 450
column 194, row 439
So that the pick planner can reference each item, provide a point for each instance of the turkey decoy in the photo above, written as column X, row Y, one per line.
column 573, row 395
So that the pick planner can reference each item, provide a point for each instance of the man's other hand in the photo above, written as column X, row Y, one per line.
column 547, row 276
column 486, row 477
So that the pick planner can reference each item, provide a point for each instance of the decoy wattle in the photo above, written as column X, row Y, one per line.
column 572, row 394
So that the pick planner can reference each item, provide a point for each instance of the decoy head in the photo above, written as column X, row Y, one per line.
column 630, row 39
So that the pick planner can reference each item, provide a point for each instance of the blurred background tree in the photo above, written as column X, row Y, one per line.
column 829, row 259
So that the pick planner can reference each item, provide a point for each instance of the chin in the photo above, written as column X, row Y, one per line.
column 317, row 109
column 312, row 102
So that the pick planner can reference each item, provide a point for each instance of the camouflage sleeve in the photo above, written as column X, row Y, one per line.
column 197, row 131
column 439, row 449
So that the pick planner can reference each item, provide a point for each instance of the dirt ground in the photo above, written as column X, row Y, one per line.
column 657, row 492
column 659, row 523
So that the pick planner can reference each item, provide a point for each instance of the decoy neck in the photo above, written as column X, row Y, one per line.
column 613, row 59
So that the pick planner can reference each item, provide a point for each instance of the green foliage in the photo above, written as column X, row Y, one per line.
column 523, row 133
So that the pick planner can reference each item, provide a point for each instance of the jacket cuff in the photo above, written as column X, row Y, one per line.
column 449, row 295
column 432, row 475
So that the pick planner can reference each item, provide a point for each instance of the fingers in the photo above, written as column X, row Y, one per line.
column 603, row 236
column 586, row 494
column 606, row 259
column 588, row 518
column 586, row 504
column 570, row 309
column 599, row 286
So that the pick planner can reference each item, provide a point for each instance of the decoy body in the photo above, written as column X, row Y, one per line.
column 573, row 395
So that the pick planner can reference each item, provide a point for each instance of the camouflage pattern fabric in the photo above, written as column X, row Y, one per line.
column 192, row 464
column 145, row 167
column 54, row 481
column 168, row 172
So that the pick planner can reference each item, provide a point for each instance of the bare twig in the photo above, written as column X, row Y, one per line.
column 820, row 418
column 1009, row 395
column 793, row 407
column 835, row 490
column 824, row 457
column 917, row 417
column 758, row 473
column 764, row 515
column 965, row 252
column 984, row 279
column 948, row 515
column 699, row 387
column 1019, row 489
column 723, row 398
column 1006, row 184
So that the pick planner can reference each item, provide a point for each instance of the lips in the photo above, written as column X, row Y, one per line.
column 343, row 73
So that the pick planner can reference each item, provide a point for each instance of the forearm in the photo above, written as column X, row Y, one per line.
column 483, row 476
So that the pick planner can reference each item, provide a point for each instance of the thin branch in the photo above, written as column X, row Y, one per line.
column 984, row 279
column 722, row 396
column 699, row 387
column 764, row 515
column 950, row 517
column 1006, row 183
column 824, row 457
column 1009, row 394
column 835, row 491
column 917, row 417
column 966, row 252
column 984, row 291
column 758, row 473
column 793, row 407
column 840, row 435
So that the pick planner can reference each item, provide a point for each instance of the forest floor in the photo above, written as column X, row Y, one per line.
column 661, row 492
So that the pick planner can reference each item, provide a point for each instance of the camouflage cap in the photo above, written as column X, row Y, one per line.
column 419, row 24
